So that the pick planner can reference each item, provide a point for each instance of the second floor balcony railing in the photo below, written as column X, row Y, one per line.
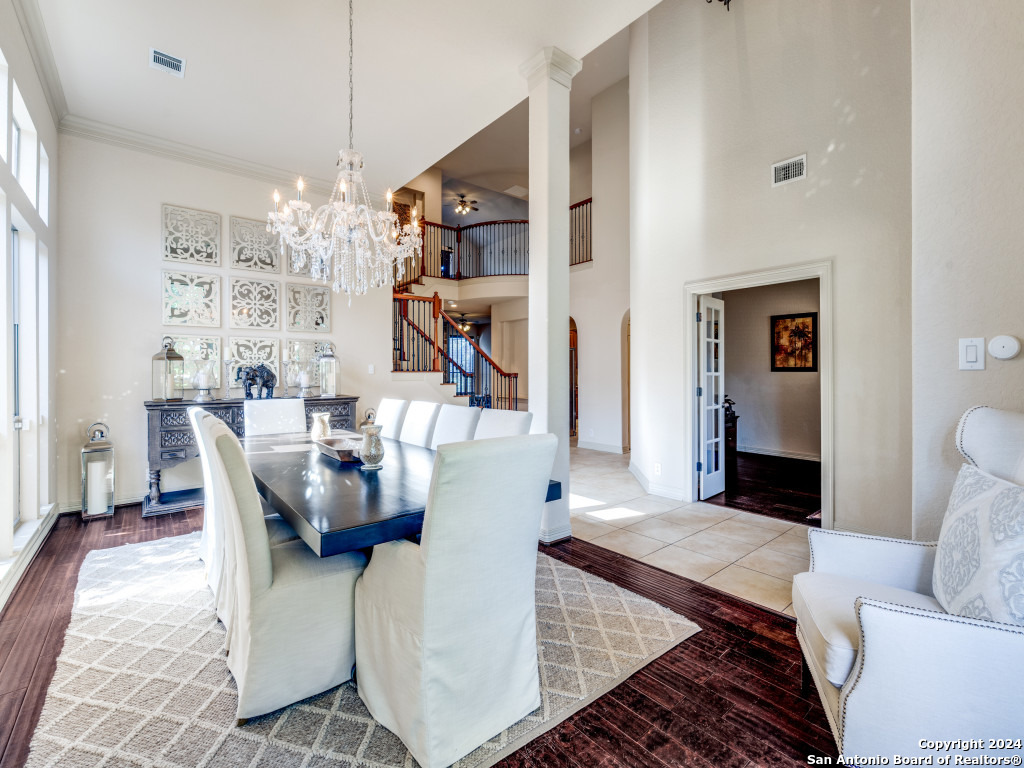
column 490, row 248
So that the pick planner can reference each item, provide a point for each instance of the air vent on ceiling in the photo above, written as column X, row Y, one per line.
column 517, row 191
column 166, row 62
column 793, row 169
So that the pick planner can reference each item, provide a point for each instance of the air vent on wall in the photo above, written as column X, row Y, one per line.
column 166, row 62
column 793, row 169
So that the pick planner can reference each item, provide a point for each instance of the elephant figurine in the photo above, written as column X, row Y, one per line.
column 259, row 376
column 265, row 382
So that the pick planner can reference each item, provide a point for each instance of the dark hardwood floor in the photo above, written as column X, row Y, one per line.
column 727, row 697
column 789, row 489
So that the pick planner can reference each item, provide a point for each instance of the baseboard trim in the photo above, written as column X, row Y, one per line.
column 70, row 507
column 28, row 553
column 657, row 489
column 554, row 535
column 779, row 452
column 603, row 447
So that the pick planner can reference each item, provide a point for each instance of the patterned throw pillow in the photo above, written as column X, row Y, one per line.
column 979, row 565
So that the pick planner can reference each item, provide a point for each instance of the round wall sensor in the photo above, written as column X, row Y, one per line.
column 1004, row 347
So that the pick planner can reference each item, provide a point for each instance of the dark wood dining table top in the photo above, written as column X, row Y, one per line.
column 337, row 507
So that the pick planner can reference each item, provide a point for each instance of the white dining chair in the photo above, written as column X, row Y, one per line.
column 276, row 416
column 446, row 630
column 500, row 423
column 390, row 414
column 455, row 423
column 292, row 635
column 213, row 547
column 418, row 425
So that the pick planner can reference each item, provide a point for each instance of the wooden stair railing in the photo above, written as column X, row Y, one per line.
column 427, row 339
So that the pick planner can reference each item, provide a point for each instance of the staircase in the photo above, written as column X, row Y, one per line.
column 427, row 339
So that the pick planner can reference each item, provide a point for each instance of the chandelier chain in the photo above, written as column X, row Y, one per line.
column 351, row 90
column 345, row 241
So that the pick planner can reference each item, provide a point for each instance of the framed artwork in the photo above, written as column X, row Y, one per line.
column 191, row 236
column 191, row 299
column 255, row 304
column 309, row 308
column 794, row 342
column 252, row 247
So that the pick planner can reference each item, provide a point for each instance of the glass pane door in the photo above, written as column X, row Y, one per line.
column 15, row 368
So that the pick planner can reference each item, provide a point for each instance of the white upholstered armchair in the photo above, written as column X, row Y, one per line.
column 924, row 641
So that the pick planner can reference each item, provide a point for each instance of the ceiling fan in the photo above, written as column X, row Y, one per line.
column 464, row 206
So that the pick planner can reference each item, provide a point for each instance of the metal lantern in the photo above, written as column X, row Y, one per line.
column 168, row 373
column 328, row 372
column 97, row 473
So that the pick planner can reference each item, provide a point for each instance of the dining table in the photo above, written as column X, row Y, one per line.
column 335, row 506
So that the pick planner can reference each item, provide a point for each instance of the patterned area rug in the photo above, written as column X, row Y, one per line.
column 142, row 679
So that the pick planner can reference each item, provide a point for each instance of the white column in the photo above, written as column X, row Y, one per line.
column 549, row 75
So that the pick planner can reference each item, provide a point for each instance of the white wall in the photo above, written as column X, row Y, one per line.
column 510, row 340
column 39, row 310
column 780, row 412
column 968, row 153
column 109, row 291
column 581, row 174
column 599, row 290
column 428, row 184
column 715, row 98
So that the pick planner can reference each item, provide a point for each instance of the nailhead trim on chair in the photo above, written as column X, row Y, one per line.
column 960, row 432
column 811, row 535
column 922, row 613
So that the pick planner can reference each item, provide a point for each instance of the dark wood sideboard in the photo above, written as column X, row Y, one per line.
column 171, row 440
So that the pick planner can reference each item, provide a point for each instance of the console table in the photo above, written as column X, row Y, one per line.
column 171, row 440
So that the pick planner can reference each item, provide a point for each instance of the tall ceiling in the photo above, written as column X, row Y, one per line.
column 498, row 157
column 266, row 82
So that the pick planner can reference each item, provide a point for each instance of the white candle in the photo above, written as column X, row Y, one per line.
column 203, row 380
column 96, row 503
column 305, row 380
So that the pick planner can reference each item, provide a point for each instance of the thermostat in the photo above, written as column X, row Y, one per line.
column 1004, row 347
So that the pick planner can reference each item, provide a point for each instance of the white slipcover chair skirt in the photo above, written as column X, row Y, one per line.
column 446, row 631
column 292, row 631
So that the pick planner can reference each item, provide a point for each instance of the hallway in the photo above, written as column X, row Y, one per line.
column 747, row 555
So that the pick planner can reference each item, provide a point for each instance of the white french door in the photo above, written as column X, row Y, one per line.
column 15, row 366
column 710, row 396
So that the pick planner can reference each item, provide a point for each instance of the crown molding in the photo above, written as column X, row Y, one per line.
column 143, row 142
column 34, row 30
column 553, row 63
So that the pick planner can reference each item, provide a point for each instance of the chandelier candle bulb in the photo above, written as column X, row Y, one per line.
column 390, row 204
column 277, row 201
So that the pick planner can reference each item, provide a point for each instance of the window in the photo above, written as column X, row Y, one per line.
column 44, row 185
column 24, row 147
column 3, row 107
column 15, row 148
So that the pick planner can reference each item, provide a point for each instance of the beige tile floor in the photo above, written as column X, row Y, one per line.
column 751, row 556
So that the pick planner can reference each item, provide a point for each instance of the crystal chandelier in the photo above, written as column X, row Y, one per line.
column 345, row 241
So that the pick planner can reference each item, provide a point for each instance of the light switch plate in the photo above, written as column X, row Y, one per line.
column 972, row 354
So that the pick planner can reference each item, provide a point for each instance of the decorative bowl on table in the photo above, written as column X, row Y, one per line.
column 339, row 448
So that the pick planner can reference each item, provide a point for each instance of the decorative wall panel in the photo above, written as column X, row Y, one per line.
column 252, row 247
column 191, row 236
column 191, row 299
column 196, row 349
column 255, row 304
column 252, row 351
column 309, row 308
